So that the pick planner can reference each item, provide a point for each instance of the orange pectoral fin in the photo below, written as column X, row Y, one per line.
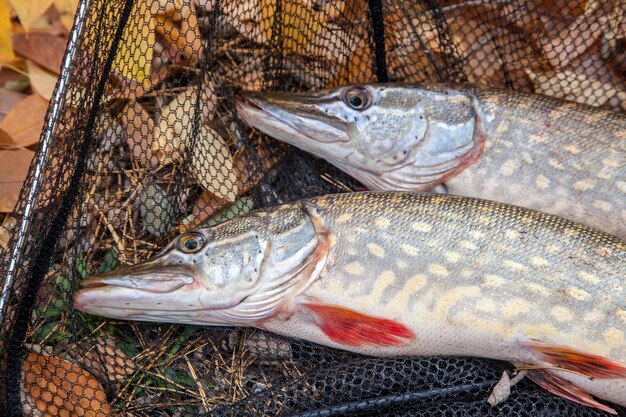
column 564, row 388
column 575, row 360
column 351, row 328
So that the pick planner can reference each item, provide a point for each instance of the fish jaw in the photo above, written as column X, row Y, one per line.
column 151, row 291
column 286, row 119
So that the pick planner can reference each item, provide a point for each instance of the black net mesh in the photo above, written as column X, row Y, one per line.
column 142, row 142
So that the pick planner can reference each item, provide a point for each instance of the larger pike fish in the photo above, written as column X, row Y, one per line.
column 400, row 274
column 534, row 151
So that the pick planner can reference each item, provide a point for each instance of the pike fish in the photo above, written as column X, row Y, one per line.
column 550, row 155
column 384, row 273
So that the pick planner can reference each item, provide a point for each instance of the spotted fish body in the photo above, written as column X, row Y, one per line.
column 399, row 274
column 529, row 150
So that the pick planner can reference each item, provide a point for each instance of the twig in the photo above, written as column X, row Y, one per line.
column 203, row 396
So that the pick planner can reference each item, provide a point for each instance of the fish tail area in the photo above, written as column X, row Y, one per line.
column 569, row 359
column 553, row 383
column 351, row 328
column 588, row 364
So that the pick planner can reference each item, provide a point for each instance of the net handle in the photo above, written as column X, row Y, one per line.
column 378, row 26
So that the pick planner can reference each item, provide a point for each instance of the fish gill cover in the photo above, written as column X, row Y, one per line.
column 142, row 141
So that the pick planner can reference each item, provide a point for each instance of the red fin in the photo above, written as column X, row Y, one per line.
column 564, row 388
column 575, row 360
column 351, row 328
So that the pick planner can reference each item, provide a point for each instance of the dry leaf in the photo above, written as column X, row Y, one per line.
column 359, row 68
column 177, row 24
column 6, row 47
column 482, row 60
column 66, row 9
column 305, row 34
column 8, row 100
column 56, row 387
column 299, row 28
column 246, row 161
column 14, row 166
column 328, row 10
column 42, row 48
column 136, row 48
column 29, row 10
column 614, row 28
column 5, row 138
column 569, row 85
column 6, row 230
column 174, row 126
column 576, row 38
column 303, row 30
column 9, row 78
column 42, row 81
column 104, row 359
column 139, row 128
column 212, row 165
column 203, row 208
column 4, row 238
column 25, row 122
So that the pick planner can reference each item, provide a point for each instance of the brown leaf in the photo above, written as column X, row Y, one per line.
column 25, row 122
column 581, row 88
column 54, row 387
column 4, row 238
column 139, row 128
column 5, row 138
column 42, row 48
column 203, row 208
column 13, row 170
column 178, row 27
column 482, row 62
column 8, row 76
column 576, row 38
column 104, row 359
column 8, row 100
column 41, row 81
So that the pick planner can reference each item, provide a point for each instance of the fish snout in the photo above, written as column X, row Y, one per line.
column 133, row 283
column 248, row 99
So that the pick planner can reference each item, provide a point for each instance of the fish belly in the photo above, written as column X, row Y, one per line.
column 469, row 277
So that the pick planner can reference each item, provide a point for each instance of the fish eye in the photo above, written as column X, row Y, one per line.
column 357, row 98
column 191, row 242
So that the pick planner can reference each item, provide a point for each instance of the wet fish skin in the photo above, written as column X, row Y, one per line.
column 534, row 151
column 399, row 274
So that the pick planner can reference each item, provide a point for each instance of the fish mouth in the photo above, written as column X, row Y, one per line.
column 142, row 287
column 290, row 118
column 157, row 279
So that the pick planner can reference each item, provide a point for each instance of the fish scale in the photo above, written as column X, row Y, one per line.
column 388, row 273
column 529, row 150
column 526, row 254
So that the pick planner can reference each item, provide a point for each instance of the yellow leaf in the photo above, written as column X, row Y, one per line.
column 134, row 56
column 301, row 27
column 29, row 10
column 66, row 9
column 6, row 45
column 41, row 81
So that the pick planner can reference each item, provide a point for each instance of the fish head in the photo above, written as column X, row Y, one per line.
column 199, row 272
column 385, row 135
column 240, row 272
